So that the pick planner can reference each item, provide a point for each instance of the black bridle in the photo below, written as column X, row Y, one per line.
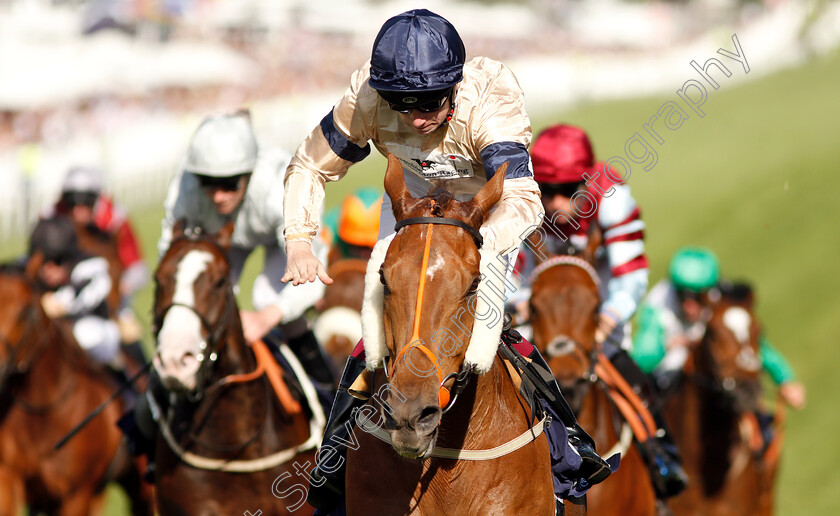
column 442, row 221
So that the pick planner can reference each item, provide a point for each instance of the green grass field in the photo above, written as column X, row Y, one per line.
column 754, row 180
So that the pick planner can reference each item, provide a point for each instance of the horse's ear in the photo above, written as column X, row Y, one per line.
column 179, row 228
column 395, row 186
column 33, row 265
column 224, row 234
column 595, row 240
column 491, row 192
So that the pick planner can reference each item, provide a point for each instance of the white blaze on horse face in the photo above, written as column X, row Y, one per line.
column 738, row 321
column 436, row 263
column 180, row 339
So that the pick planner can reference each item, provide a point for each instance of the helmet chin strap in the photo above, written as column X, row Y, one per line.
column 451, row 106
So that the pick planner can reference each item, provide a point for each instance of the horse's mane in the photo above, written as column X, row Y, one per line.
column 13, row 268
column 736, row 291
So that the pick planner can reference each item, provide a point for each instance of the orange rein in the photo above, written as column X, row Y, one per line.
column 631, row 405
column 415, row 342
column 266, row 365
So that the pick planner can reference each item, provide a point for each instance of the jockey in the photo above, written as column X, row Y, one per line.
column 572, row 185
column 672, row 317
column 444, row 119
column 76, row 287
column 225, row 177
column 83, row 200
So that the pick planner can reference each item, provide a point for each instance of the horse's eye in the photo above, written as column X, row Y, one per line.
column 474, row 287
column 382, row 280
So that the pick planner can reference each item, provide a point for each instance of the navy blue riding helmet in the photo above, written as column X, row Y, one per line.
column 417, row 58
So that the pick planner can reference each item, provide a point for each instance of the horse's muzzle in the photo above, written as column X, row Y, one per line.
column 413, row 433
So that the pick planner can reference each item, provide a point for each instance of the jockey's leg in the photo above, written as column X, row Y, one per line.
column 592, row 467
column 305, row 346
column 140, row 426
column 326, row 482
column 660, row 452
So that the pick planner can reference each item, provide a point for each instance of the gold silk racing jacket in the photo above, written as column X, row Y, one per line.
column 489, row 126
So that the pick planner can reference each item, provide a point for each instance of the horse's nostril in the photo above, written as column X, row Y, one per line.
column 188, row 358
column 429, row 418
column 387, row 414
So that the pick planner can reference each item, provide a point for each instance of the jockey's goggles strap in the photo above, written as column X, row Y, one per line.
column 442, row 220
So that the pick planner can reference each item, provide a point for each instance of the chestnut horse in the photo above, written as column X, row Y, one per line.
column 564, row 317
column 709, row 414
column 225, row 442
column 410, row 475
column 338, row 326
column 47, row 386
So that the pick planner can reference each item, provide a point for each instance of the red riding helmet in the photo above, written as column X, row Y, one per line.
column 561, row 154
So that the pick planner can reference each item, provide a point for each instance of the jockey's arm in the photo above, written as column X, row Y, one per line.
column 339, row 141
column 774, row 362
column 780, row 371
column 623, row 229
column 174, row 207
column 135, row 273
column 92, row 274
column 649, row 339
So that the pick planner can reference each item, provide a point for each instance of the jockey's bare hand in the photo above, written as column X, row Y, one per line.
column 794, row 394
column 52, row 306
column 302, row 266
column 256, row 324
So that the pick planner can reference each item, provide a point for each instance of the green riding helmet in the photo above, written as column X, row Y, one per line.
column 695, row 269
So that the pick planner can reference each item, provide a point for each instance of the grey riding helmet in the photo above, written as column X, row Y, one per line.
column 223, row 146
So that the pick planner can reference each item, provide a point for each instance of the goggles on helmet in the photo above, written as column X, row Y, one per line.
column 425, row 102
column 227, row 184
column 563, row 189
column 79, row 199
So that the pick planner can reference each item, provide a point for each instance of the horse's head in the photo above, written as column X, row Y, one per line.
column 430, row 276
column 564, row 316
column 22, row 330
column 728, row 353
column 193, row 307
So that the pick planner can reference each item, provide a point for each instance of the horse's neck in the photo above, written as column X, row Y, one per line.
column 53, row 365
column 241, row 410
column 493, row 403
column 708, row 429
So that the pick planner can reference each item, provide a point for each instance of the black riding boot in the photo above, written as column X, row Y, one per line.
column 593, row 468
column 326, row 482
column 308, row 351
column 660, row 452
column 140, row 427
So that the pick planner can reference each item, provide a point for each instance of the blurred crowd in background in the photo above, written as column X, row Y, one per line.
column 120, row 84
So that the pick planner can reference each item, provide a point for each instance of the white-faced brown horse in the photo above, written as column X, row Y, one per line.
column 709, row 415
column 47, row 386
column 564, row 317
column 225, row 441
column 429, row 464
